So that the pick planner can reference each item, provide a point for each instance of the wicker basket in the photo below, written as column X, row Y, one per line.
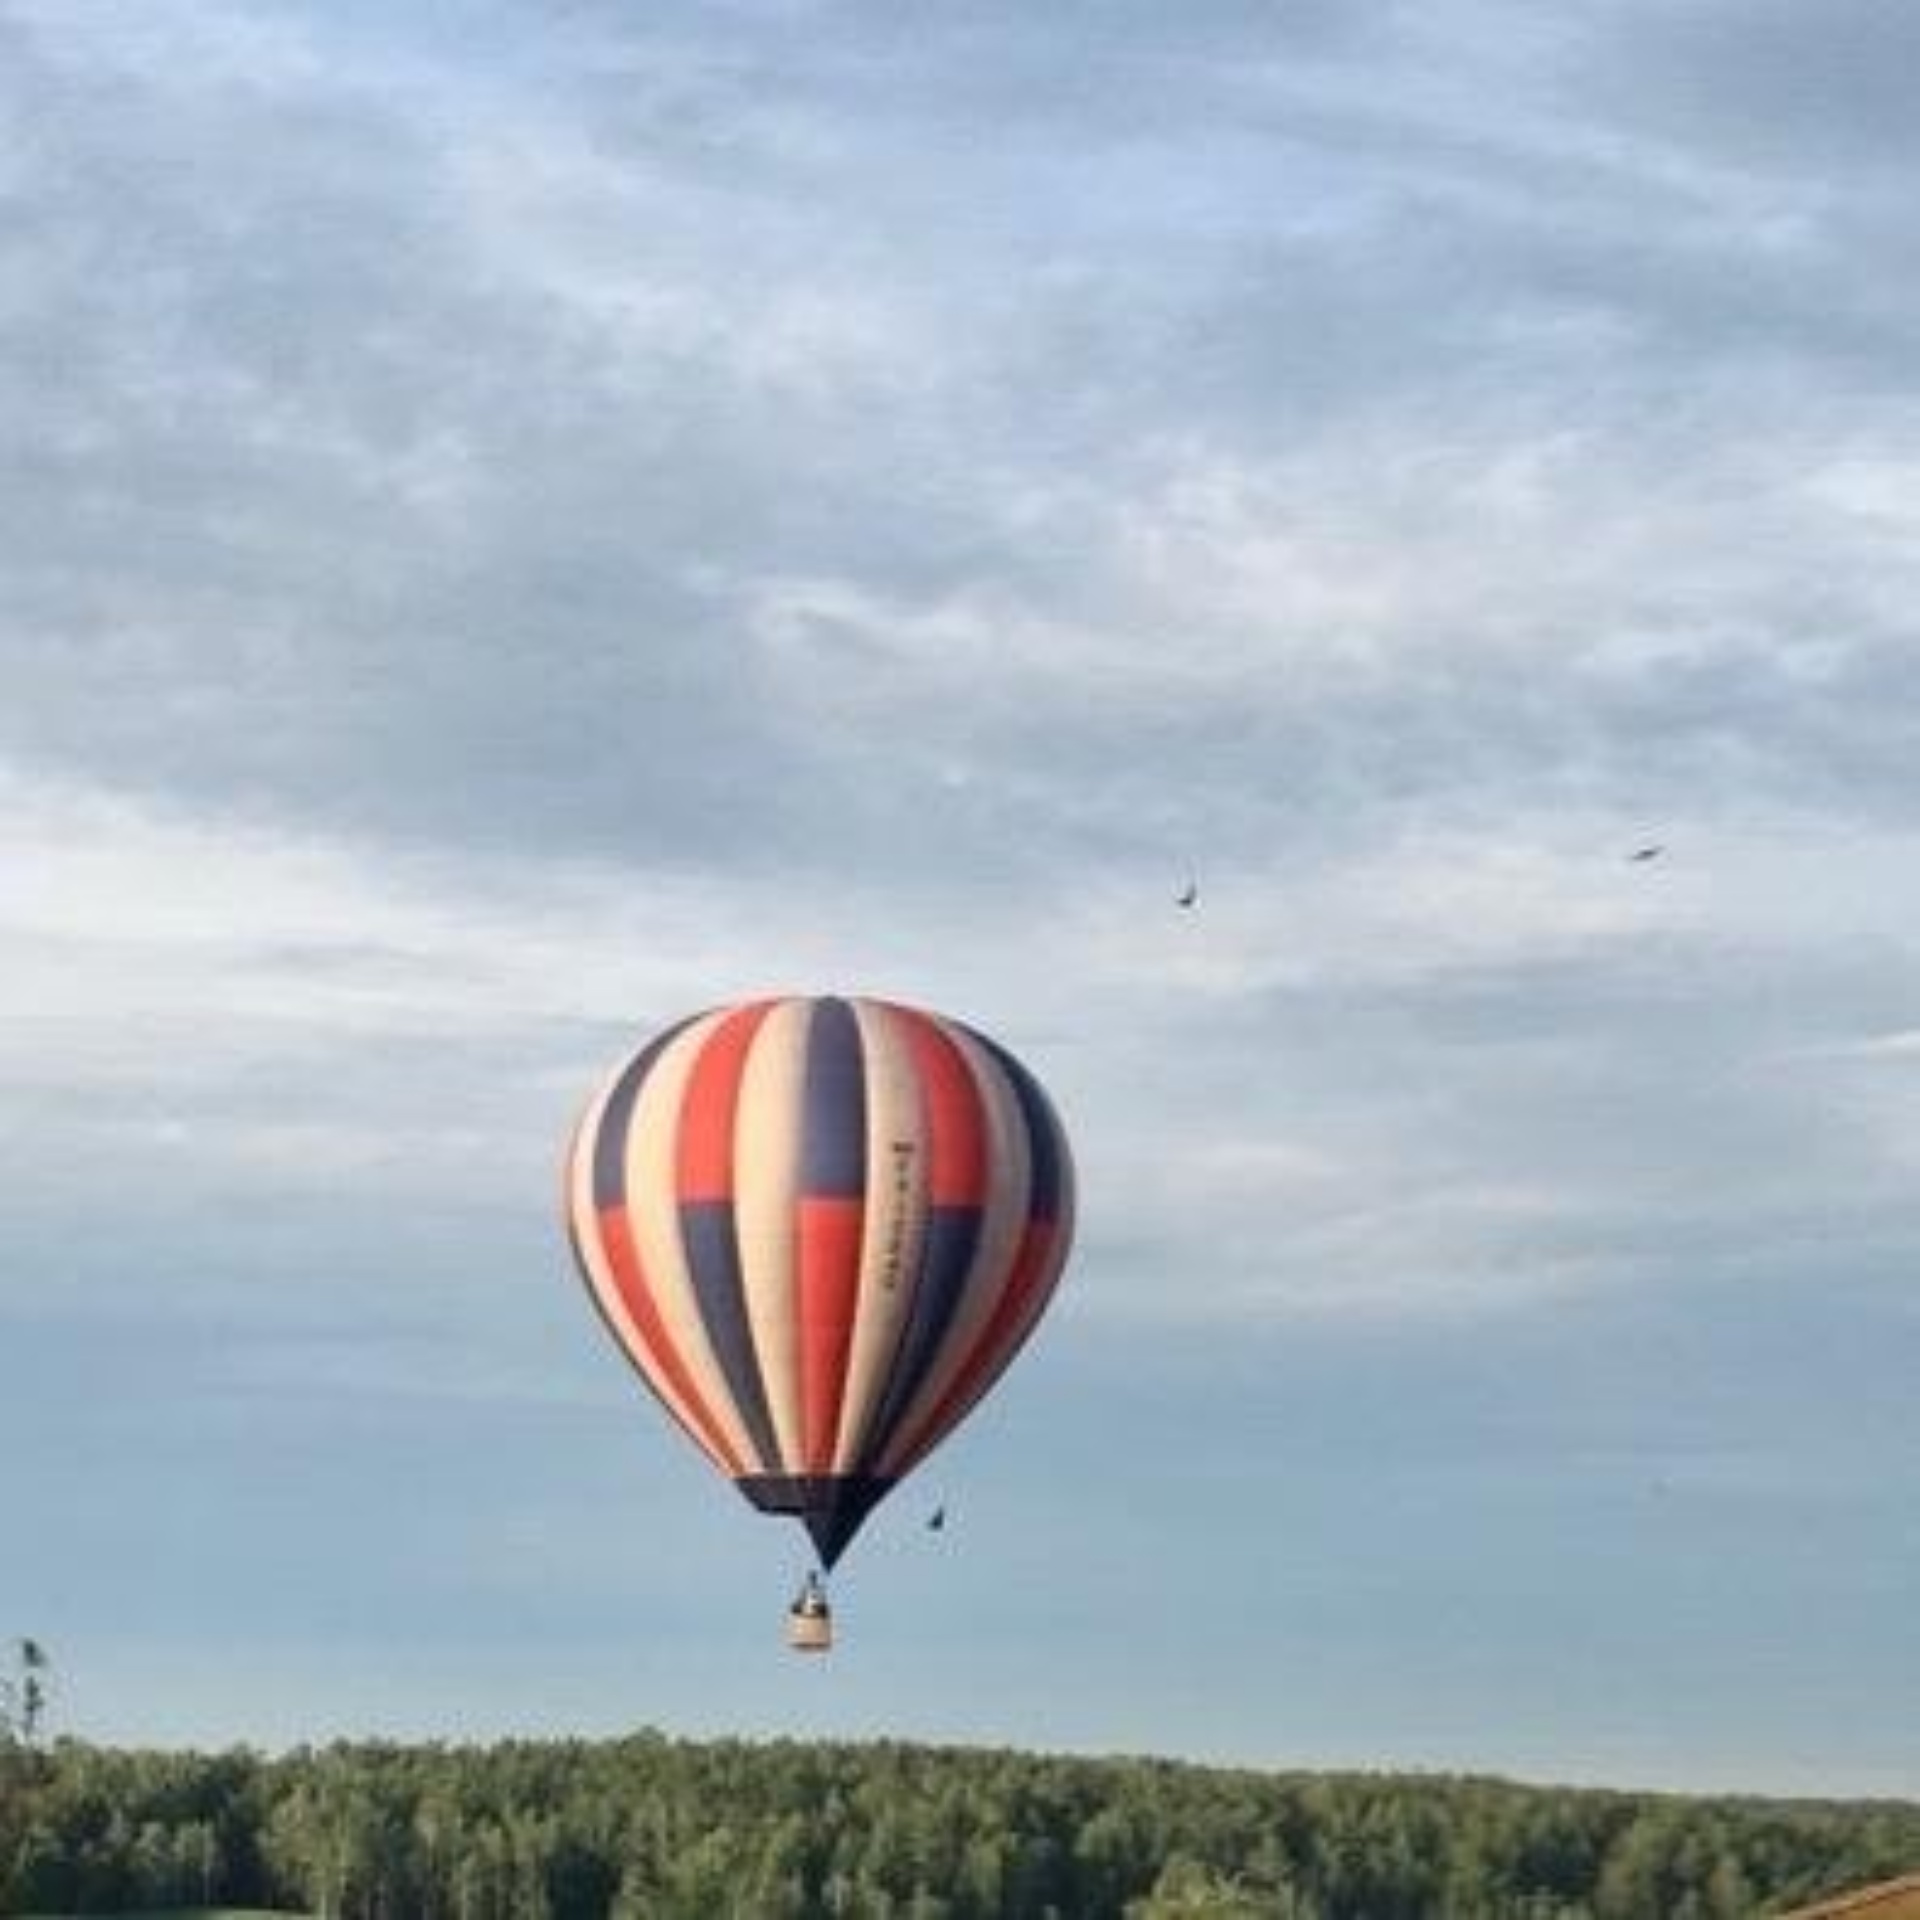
column 809, row 1630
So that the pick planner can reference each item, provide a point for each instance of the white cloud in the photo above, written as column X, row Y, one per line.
column 1351, row 1082
column 1901, row 1044
column 698, row 569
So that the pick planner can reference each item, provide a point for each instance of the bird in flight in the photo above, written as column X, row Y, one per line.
column 1646, row 853
column 1187, row 894
column 937, row 1520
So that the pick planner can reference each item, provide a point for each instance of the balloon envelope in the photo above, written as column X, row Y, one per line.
column 820, row 1229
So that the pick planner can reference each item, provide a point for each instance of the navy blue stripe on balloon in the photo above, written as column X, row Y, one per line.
column 712, row 1243
column 833, row 1114
column 946, row 1255
column 610, row 1137
column 1045, row 1142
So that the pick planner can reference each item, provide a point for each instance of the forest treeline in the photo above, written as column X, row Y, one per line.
column 649, row 1825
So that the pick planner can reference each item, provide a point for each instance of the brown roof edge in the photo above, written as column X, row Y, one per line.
column 1884, row 1900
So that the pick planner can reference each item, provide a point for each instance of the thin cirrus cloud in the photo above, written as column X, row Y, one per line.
column 657, row 485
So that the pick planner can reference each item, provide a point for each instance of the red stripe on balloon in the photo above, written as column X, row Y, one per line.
column 703, row 1145
column 828, row 1280
column 623, row 1258
column 956, row 1122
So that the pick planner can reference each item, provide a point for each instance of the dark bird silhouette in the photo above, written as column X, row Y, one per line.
column 937, row 1520
column 1187, row 894
column 1646, row 853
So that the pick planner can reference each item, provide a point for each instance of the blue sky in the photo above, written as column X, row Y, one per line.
column 519, row 523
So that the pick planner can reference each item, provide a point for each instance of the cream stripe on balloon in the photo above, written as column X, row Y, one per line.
column 588, row 1236
column 766, row 1173
column 1014, row 1336
column 894, row 1227
column 1009, row 1189
column 653, row 1205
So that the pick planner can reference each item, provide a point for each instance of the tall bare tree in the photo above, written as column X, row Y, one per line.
column 23, row 1693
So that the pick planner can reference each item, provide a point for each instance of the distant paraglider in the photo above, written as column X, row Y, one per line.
column 820, row 1229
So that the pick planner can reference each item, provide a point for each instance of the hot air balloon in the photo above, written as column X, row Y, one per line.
column 820, row 1229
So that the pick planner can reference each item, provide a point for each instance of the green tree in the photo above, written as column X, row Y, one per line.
column 24, row 1694
column 1187, row 1890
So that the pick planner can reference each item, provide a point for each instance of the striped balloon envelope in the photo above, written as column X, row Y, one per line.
column 820, row 1229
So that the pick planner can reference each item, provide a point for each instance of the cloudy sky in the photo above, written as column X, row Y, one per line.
column 524, row 521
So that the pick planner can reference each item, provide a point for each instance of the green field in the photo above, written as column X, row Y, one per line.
column 181, row 1913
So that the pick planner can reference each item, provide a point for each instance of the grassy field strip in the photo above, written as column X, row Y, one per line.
column 180, row 1913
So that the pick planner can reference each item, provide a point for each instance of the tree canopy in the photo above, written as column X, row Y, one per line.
column 648, row 1825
